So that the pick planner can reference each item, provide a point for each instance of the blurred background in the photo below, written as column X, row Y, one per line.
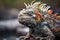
column 9, row 10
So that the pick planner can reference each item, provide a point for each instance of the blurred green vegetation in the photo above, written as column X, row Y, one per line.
column 20, row 3
column 13, row 3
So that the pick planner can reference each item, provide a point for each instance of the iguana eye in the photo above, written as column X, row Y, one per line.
column 30, row 13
